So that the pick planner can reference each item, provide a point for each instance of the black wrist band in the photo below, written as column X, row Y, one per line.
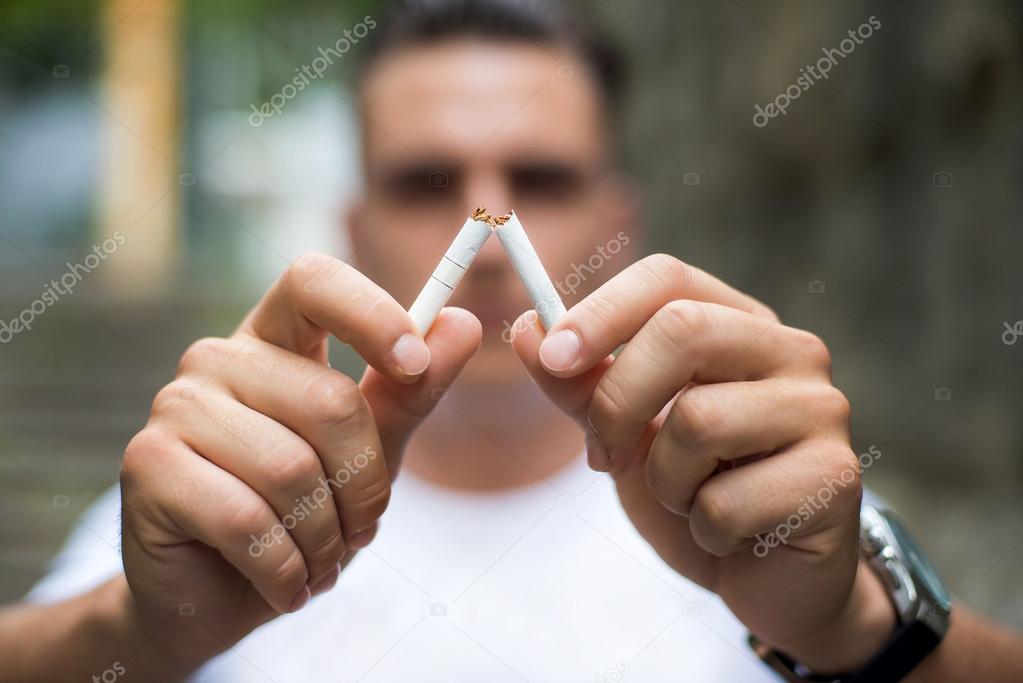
column 909, row 645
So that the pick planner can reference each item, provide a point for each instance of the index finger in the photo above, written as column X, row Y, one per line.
column 611, row 315
column 319, row 294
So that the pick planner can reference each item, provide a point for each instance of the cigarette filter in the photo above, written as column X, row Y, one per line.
column 456, row 260
column 526, row 262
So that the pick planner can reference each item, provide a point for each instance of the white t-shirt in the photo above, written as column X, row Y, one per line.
column 546, row 583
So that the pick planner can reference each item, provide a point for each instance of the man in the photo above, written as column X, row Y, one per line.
column 262, row 474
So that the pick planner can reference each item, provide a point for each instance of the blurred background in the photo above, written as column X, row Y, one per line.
column 882, row 212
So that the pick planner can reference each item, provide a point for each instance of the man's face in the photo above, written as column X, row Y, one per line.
column 464, row 123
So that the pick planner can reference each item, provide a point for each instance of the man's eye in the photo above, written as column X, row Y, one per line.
column 551, row 183
column 421, row 186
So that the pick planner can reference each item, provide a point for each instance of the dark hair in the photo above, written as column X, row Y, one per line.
column 420, row 22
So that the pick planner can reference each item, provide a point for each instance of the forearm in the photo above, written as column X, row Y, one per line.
column 81, row 639
column 974, row 649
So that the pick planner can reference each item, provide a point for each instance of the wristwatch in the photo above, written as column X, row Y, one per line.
column 921, row 602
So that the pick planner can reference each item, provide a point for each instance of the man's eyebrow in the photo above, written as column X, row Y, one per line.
column 565, row 166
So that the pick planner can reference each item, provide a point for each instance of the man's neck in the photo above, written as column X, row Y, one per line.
column 493, row 440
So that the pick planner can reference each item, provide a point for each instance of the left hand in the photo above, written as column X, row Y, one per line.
column 722, row 431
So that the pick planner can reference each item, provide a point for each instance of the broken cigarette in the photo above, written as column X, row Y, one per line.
column 460, row 255
column 456, row 260
column 526, row 262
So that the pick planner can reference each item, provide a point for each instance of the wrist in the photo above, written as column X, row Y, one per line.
column 865, row 625
column 142, row 648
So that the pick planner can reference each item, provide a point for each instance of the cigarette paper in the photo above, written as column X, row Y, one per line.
column 449, row 271
column 524, row 259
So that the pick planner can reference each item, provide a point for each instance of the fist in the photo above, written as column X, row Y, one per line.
column 261, row 469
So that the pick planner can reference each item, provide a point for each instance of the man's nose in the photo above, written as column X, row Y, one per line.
column 488, row 187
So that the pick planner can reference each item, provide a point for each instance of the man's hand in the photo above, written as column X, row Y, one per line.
column 719, row 425
column 261, row 469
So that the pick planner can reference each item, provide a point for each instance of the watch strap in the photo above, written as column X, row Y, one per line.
column 909, row 645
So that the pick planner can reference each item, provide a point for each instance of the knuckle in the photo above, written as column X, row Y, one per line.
column 659, row 482
column 695, row 419
column 248, row 517
column 665, row 269
column 602, row 310
column 370, row 499
column 716, row 520
column 813, row 349
column 170, row 397
column 835, row 405
column 307, row 271
column 842, row 466
column 291, row 467
column 610, row 399
column 329, row 550
column 716, row 508
column 377, row 303
column 682, row 319
column 762, row 310
column 139, row 456
column 334, row 398
column 291, row 572
column 202, row 354
column 311, row 264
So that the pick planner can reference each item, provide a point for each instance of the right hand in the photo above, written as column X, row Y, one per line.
column 226, row 493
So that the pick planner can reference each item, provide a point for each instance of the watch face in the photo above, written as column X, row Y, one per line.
column 920, row 567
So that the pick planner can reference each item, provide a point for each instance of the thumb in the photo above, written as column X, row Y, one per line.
column 400, row 408
column 571, row 394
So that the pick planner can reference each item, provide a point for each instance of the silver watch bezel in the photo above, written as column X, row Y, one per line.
column 916, row 597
